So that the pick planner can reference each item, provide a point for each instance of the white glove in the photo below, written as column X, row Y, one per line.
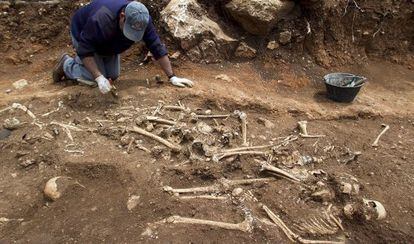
column 103, row 84
column 181, row 82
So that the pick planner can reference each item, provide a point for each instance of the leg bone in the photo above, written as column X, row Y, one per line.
column 170, row 145
column 245, row 226
column 387, row 127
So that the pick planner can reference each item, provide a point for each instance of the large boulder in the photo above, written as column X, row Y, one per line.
column 258, row 17
column 189, row 23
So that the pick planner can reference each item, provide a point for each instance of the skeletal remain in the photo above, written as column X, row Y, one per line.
column 245, row 226
column 279, row 172
column 288, row 232
column 377, row 206
column 67, row 129
column 222, row 185
column 248, row 148
column 168, row 144
column 387, row 127
column 130, row 145
column 207, row 197
column 60, row 105
column 7, row 220
column 177, row 108
column 243, row 118
column 319, row 225
column 210, row 116
column 304, row 130
column 160, row 120
column 220, row 156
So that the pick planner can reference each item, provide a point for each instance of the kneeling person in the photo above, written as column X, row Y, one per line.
column 100, row 32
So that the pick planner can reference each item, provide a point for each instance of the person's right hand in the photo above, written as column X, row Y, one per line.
column 103, row 84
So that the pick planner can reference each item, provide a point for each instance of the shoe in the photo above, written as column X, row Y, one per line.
column 58, row 74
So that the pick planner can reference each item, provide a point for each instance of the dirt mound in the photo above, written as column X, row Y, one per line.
column 331, row 32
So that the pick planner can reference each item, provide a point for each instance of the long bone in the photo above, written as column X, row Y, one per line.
column 279, row 172
column 285, row 141
column 387, row 127
column 160, row 120
column 288, row 232
column 210, row 116
column 245, row 226
column 221, row 185
column 67, row 129
column 220, row 156
column 304, row 130
column 168, row 144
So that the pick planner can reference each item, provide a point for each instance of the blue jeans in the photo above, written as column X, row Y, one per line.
column 109, row 66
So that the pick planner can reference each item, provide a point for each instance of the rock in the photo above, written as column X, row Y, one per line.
column 20, row 84
column 125, row 140
column 245, row 51
column 237, row 192
column 11, row 124
column 57, row 186
column 209, row 51
column 224, row 77
column 272, row 45
column 4, row 134
column 133, row 202
column 8, row 91
column 267, row 123
column 285, row 37
column 27, row 163
column 259, row 17
column 189, row 23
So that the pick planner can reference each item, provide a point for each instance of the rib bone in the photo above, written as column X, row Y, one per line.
column 387, row 127
column 289, row 233
column 245, row 226
column 170, row 145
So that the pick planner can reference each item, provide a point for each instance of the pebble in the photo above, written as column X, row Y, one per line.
column 20, row 84
column 133, row 202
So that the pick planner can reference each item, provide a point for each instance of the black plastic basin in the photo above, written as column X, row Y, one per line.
column 343, row 87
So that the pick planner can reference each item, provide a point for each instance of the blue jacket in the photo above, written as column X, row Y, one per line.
column 96, row 28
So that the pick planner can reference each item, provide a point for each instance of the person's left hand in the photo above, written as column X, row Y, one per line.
column 181, row 82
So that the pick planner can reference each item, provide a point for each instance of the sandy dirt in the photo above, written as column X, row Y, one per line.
column 283, row 94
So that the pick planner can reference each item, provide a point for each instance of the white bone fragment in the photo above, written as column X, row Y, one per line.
column 304, row 130
column 207, row 197
column 289, row 233
column 279, row 172
column 160, row 120
column 220, row 156
column 222, row 184
column 60, row 105
column 386, row 128
column 243, row 118
column 24, row 109
column 170, row 145
column 245, row 226
column 379, row 208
